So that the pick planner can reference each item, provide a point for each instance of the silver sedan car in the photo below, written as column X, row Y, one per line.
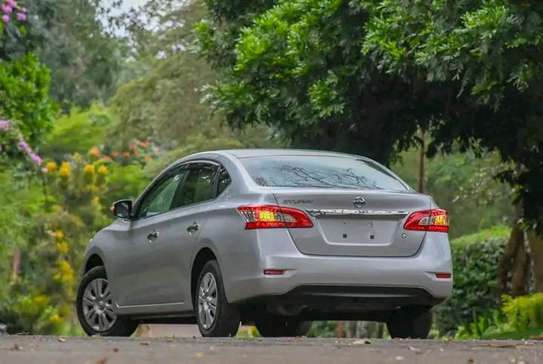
column 274, row 238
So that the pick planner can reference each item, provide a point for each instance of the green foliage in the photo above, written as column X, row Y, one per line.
column 13, row 40
column 164, row 99
column 21, row 199
column 475, row 263
column 24, row 96
column 297, row 67
column 481, row 326
column 323, row 329
column 78, row 132
column 518, row 318
column 126, row 181
column 82, row 51
column 28, row 313
column 42, row 294
column 484, row 44
column 524, row 312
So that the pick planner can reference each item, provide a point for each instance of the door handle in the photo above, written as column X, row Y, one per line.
column 193, row 228
column 152, row 236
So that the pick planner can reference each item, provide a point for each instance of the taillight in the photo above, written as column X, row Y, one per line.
column 273, row 216
column 428, row 220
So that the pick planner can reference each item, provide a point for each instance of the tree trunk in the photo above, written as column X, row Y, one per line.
column 536, row 247
column 340, row 329
column 15, row 265
column 515, row 261
column 422, row 167
column 521, row 269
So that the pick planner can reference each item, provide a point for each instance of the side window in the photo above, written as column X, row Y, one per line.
column 199, row 185
column 223, row 180
column 159, row 200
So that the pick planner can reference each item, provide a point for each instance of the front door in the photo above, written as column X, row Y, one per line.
column 142, row 281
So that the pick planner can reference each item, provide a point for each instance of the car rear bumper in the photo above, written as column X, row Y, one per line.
column 399, row 281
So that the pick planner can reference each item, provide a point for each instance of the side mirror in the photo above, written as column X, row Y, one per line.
column 122, row 209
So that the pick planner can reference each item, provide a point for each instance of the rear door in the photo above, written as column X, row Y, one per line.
column 355, row 223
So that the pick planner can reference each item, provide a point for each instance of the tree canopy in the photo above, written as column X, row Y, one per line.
column 163, row 98
column 77, row 41
column 298, row 67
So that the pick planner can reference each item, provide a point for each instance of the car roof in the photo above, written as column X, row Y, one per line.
column 252, row 153
column 256, row 153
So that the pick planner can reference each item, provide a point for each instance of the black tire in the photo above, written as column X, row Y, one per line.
column 412, row 323
column 121, row 327
column 276, row 326
column 227, row 317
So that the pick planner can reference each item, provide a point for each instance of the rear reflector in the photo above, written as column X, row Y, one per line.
column 443, row 275
column 428, row 220
column 274, row 272
column 273, row 216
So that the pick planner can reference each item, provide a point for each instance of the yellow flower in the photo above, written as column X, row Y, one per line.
column 95, row 152
column 88, row 169
column 40, row 300
column 95, row 201
column 65, row 169
column 102, row 170
column 55, row 319
column 65, row 272
column 59, row 234
column 51, row 167
column 63, row 247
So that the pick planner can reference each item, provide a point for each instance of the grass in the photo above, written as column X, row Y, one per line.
column 517, row 335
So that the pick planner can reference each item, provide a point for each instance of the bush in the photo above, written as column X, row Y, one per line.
column 475, row 264
column 525, row 312
column 518, row 318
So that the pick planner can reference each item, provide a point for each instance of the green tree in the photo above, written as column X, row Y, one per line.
column 24, row 96
column 25, row 104
column 297, row 66
column 163, row 99
column 77, row 41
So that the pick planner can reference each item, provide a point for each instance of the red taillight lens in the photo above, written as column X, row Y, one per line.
column 273, row 216
column 428, row 220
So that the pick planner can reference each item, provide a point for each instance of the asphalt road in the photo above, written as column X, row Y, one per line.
column 43, row 349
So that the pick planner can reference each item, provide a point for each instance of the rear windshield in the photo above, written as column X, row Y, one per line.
column 322, row 172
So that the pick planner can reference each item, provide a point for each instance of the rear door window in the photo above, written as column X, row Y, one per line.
column 199, row 185
column 223, row 180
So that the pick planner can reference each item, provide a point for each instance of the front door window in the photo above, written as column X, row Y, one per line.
column 159, row 200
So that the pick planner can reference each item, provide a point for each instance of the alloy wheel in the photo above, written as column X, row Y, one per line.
column 98, row 305
column 207, row 300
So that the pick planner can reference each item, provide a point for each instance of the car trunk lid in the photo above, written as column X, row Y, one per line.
column 355, row 222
